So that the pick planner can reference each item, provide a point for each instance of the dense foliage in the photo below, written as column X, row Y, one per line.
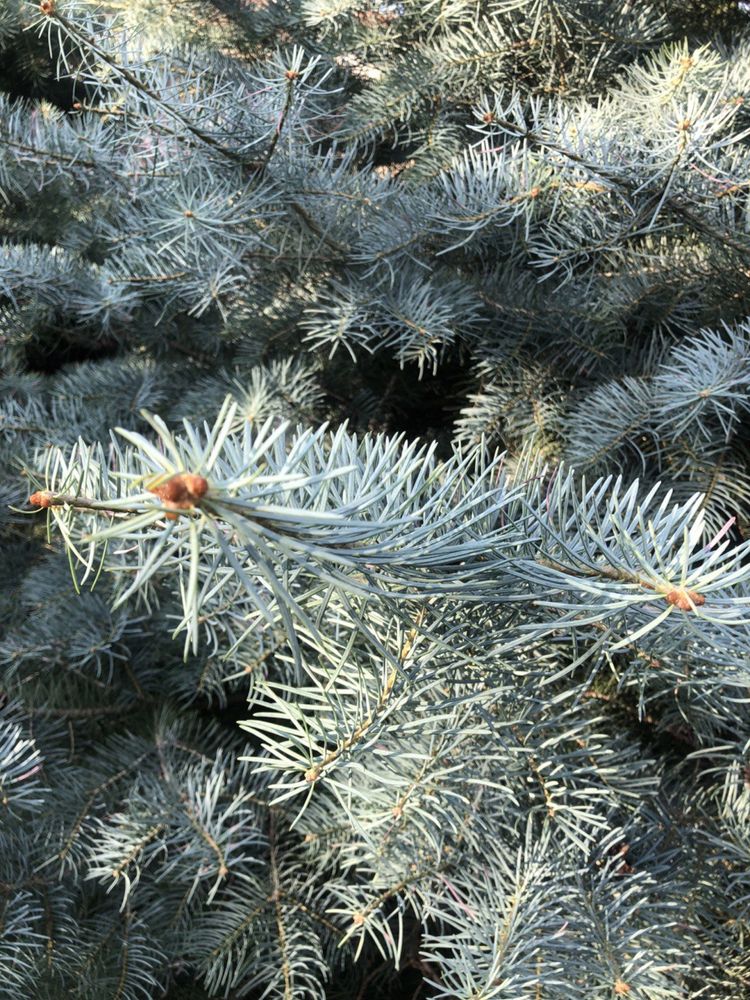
column 378, row 625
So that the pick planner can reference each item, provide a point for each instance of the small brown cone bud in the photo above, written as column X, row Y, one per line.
column 195, row 485
column 43, row 498
column 47, row 7
column 621, row 988
column 181, row 491
column 685, row 600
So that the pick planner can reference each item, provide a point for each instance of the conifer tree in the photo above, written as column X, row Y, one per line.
column 374, row 499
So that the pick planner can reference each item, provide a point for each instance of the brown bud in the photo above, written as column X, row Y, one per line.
column 358, row 919
column 685, row 600
column 172, row 491
column 624, row 868
column 47, row 7
column 621, row 988
column 291, row 74
column 488, row 117
column 43, row 498
column 195, row 485
column 181, row 491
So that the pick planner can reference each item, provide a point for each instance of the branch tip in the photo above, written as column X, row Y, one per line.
column 42, row 498
column 181, row 491
column 685, row 600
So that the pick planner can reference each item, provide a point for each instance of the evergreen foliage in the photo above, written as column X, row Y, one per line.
column 379, row 622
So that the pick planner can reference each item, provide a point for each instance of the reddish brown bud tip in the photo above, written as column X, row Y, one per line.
column 43, row 498
column 291, row 74
column 181, row 491
column 47, row 7
column 621, row 988
column 195, row 485
column 685, row 600
column 488, row 117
